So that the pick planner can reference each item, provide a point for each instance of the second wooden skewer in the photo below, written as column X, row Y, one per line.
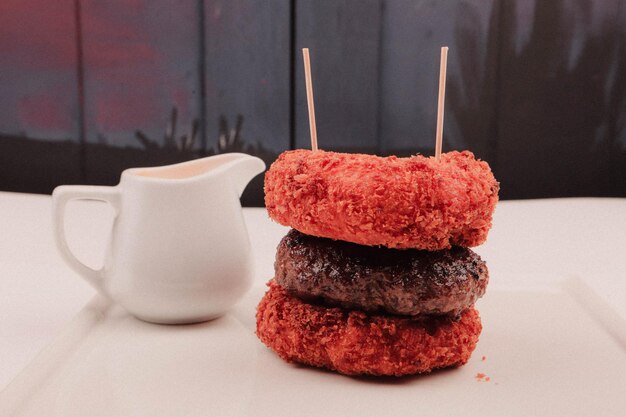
column 442, row 99
column 309, row 97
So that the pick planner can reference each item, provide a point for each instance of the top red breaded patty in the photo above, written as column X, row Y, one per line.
column 414, row 202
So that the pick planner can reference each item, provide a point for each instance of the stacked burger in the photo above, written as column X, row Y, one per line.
column 376, row 276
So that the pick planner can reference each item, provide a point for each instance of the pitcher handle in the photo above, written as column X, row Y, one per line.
column 60, row 197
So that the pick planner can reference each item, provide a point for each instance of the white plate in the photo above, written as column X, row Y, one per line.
column 545, row 354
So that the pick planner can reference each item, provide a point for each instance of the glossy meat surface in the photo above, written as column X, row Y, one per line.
column 406, row 282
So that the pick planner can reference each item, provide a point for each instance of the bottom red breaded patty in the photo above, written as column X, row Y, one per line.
column 355, row 343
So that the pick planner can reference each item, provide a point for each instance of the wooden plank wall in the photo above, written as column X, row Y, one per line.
column 248, row 80
column 38, row 95
column 413, row 32
column 89, row 88
column 345, row 67
column 247, row 71
column 141, row 67
column 556, row 98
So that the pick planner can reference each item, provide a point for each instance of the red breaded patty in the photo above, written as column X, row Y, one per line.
column 416, row 202
column 354, row 343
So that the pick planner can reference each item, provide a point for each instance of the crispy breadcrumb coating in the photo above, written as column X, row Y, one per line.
column 355, row 343
column 416, row 202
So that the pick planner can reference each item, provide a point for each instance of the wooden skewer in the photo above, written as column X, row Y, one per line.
column 442, row 98
column 309, row 97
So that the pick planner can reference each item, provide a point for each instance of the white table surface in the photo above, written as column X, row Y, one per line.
column 584, row 237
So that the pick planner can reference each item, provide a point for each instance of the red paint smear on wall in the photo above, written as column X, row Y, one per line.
column 37, row 34
column 125, row 111
column 42, row 111
column 113, row 37
column 124, row 67
column 130, row 83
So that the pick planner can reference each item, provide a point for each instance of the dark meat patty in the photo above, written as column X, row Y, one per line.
column 406, row 282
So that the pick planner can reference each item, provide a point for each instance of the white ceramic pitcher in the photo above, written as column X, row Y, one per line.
column 179, row 249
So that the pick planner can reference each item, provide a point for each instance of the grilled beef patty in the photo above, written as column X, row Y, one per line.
column 406, row 282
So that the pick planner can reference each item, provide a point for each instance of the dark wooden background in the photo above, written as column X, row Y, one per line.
column 536, row 88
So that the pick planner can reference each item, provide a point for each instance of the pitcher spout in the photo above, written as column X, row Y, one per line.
column 242, row 169
column 238, row 168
